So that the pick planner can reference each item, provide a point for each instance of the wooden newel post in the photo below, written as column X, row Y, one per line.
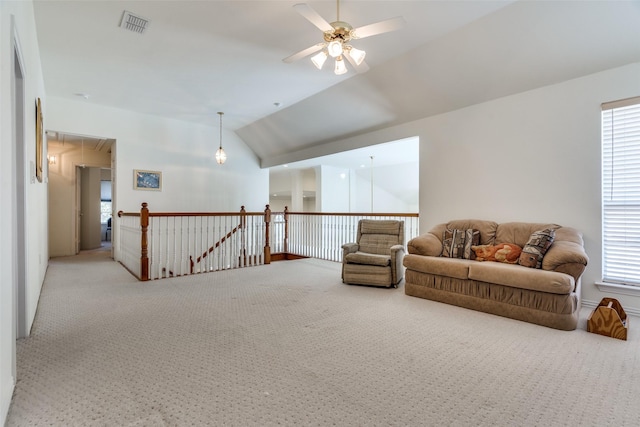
column 243, row 237
column 144, row 253
column 267, row 248
column 286, row 230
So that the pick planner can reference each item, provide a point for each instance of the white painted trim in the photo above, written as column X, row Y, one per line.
column 619, row 289
column 6, row 393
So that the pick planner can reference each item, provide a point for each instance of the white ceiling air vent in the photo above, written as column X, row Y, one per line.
column 134, row 23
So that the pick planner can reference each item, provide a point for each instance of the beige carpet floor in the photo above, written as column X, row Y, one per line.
column 288, row 344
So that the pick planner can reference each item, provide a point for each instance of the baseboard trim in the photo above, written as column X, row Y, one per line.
column 282, row 256
column 5, row 400
column 593, row 304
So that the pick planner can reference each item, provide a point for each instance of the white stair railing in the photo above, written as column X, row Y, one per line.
column 155, row 245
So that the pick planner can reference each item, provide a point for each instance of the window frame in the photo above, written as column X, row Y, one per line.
column 620, row 204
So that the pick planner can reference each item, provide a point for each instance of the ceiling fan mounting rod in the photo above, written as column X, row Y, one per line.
column 337, row 10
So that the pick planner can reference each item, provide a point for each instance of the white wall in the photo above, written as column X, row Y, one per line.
column 285, row 181
column 394, row 188
column 390, row 185
column 183, row 152
column 280, row 181
column 332, row 189
column 278, row 205
column 17, row 19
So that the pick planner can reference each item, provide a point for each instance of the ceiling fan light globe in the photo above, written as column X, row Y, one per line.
column 357, row 55
column 221, row 156
column 340, row 68
column 335, row 48
column 319, row 59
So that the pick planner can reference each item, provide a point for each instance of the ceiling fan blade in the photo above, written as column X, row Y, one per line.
column 312, row 16
column 392, row 24
column 362, row 68
column 303, row 53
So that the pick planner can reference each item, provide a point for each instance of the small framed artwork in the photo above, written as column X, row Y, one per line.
column 147, row 180
column 39, row 140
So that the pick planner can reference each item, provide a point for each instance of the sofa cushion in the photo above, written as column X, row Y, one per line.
column 487, row 229
column 522, row 277
column 519, row 232
column 368, row 259
column 441, row 266
column 538, row 244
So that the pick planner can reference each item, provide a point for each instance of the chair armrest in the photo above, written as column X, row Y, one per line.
column 427, row 244
column 349, row 248
column 397, row 267
column 395, row 249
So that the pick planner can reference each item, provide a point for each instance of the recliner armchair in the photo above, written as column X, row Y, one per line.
column 376, row 257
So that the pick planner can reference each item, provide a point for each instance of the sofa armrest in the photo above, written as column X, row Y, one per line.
column 427, row 244
column 566, row 257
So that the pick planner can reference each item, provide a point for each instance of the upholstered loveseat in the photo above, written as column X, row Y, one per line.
column 548, row 295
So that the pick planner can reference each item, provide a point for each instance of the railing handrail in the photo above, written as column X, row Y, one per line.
column 203, row 213
column 408, row 214
column 171, row 214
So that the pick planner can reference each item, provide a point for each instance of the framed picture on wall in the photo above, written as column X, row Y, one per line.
column 39, row 138
column 147, row 180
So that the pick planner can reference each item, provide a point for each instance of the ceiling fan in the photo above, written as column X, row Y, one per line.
column 337, row 36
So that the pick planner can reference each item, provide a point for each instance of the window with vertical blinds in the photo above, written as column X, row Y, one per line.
column 621, row 192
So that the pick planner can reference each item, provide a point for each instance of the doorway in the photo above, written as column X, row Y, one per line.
column 78, row 166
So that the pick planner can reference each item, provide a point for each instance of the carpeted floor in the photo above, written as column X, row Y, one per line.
column 289, row 344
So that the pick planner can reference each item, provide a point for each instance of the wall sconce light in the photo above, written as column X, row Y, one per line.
column 52, row 159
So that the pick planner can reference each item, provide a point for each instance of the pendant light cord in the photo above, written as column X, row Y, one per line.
column 220, row 113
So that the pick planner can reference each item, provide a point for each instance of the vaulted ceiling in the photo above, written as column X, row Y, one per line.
column 200, row 57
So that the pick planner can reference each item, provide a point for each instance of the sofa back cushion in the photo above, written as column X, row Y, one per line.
column 519, row 232
column 487, row 229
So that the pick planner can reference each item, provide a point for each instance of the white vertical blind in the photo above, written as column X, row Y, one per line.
column 621, row 191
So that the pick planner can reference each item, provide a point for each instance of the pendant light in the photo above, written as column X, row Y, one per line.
column 221, row 156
